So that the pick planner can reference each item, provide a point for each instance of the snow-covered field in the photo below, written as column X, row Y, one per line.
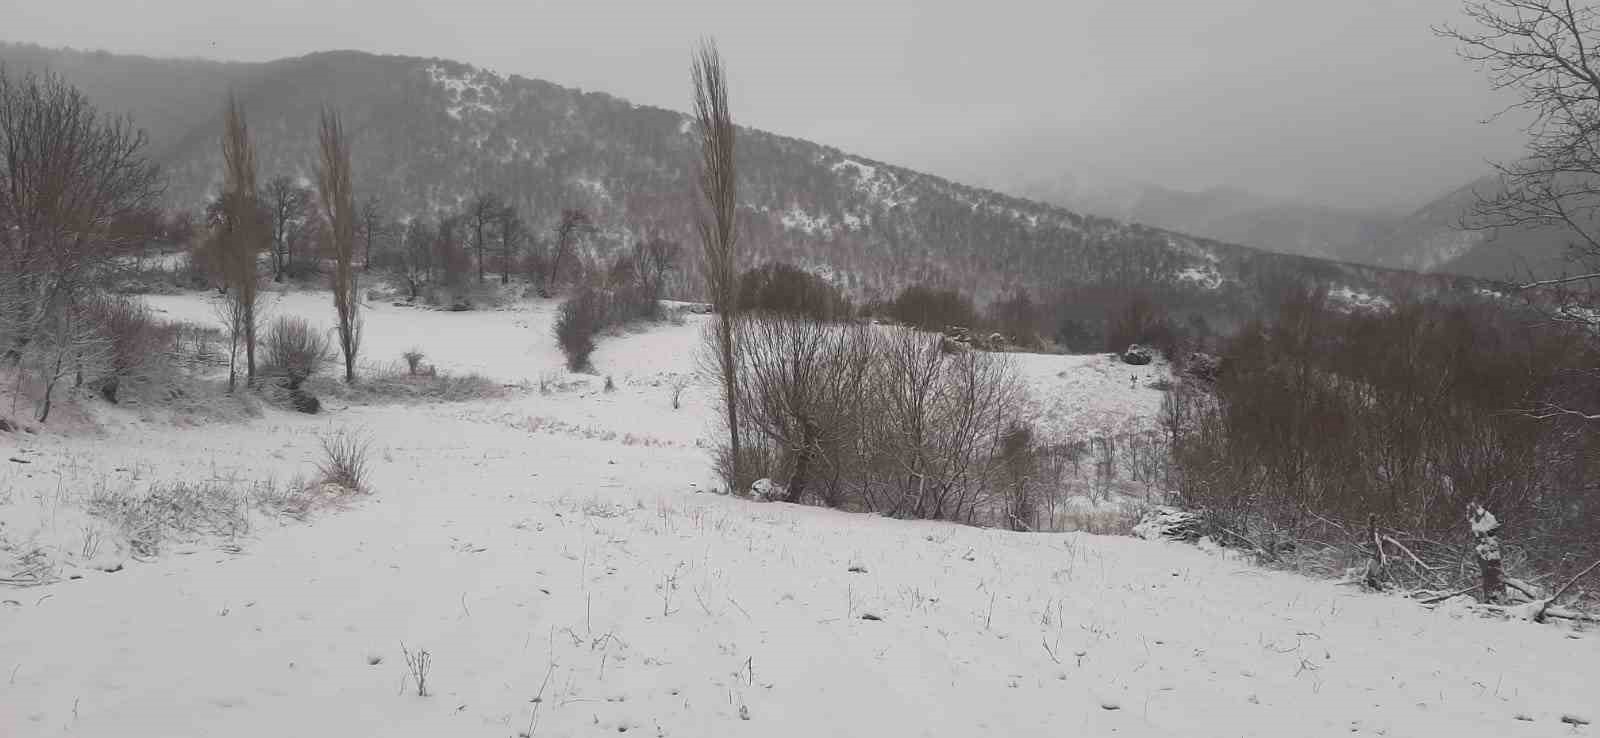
column 559, row 560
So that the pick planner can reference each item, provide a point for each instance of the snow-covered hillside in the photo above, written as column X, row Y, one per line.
column 559, row 557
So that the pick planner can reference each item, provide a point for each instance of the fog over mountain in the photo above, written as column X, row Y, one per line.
column 1349, row 105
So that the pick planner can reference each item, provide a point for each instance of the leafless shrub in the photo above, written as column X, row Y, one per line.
column 295, row 349
column 1331, row 418
column 936, row 419
column 417, row 665
column 800, row 385
column 345, row 460
column 413, row 359
column 70, row 173
column 134, row 341
column 580, row 317
column 675, row 388
column 877, row 420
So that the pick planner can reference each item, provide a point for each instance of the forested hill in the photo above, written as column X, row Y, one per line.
column 430, row 133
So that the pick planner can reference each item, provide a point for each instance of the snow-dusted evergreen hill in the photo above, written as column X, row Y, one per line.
column 430, row 133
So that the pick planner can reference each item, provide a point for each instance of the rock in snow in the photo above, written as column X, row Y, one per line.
column 765, row 489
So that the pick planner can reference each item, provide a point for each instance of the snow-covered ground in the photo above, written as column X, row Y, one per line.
column 558, row 558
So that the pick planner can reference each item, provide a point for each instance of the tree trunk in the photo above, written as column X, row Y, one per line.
column 478, row 243
column 730, row 392
column 249, row 341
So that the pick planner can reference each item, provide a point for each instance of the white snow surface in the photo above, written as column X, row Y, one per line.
column 558, row 558
column 1205, row 276
column 1359, row 300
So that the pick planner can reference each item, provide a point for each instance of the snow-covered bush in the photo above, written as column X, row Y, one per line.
column 1169, row 524
column 344, row 460
column 294, row 349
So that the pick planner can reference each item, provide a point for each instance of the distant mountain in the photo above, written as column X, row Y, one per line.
column 1432, row 239
column 1429, row 239
column 1222, row 213
column 429, row 133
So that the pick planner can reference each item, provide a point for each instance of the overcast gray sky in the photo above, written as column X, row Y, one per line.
column 1349, row 102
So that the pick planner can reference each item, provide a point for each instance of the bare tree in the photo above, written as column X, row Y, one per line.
column 716, row 220
column 339, row 212
column 1543, row 51
column 66, row 342
column 451, row 261
column 371, row 227
column 413, row 262
column 652, row 260
column 240, row 233
column 800, row 386
column 936, row 422
column 574, row 222
column 482, row 214
column 511, row 230
column 287, row 203
column 67, row 173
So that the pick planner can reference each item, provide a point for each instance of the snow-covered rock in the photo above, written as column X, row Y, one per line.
column 1168, row 523
column 765, row 489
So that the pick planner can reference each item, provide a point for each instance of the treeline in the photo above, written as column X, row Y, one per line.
column 1326, row 422
column 79, row 202
column 76, row 190
column 629, row 291
column 1071, row 320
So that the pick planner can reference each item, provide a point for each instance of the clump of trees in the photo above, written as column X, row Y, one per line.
column 863, row 418
column 69, row 175
column 626, row 293
column 786, row 289
column 1325, row 418
column 933, row 308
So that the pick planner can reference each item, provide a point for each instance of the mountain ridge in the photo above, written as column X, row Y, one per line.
column 431, row 132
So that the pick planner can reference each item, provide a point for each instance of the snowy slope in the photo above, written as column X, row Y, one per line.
column 568, row 573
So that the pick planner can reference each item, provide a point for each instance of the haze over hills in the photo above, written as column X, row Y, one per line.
column 1429, row 238
column 1226, row 214
column 430, row 133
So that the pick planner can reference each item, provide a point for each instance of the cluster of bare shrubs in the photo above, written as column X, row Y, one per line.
column 881, row 419
column 295, row 350
column 345, row 460
column 398, row 382
column 625, row 296
column 1341, row 428
column 73, row 180
column 786, row 289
